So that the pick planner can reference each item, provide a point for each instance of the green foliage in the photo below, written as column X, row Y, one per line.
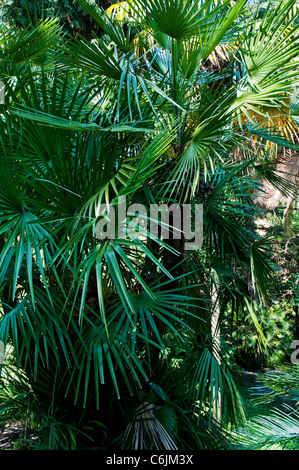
column 255, row 351
column 118, row 339
column 71, row 16
column 279, row 430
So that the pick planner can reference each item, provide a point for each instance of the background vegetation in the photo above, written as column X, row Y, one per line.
column 71, row 16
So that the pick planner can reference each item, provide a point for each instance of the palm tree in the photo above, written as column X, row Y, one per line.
column 122, row 327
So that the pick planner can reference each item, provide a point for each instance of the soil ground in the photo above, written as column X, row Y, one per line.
column 9, row 434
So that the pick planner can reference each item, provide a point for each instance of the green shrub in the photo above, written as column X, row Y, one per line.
column 71, row 16
column 277, row 324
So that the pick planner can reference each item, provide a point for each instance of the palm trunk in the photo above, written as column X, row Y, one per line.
column 170, row 261
column 215, row 334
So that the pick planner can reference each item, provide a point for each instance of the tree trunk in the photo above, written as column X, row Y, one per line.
column 215, row 334
column 170, row 261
